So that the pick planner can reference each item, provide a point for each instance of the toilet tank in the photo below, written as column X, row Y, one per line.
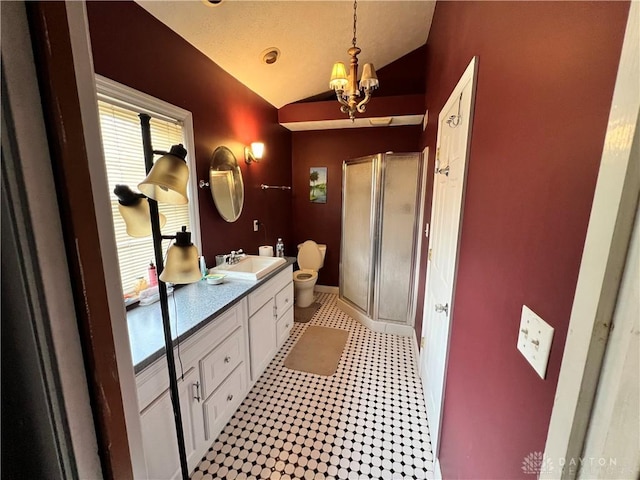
column 323, row 251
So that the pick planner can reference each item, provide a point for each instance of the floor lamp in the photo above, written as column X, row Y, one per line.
column 166, row 182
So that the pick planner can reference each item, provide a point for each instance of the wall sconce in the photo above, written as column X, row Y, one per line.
column 254, row 153
column 166, row 182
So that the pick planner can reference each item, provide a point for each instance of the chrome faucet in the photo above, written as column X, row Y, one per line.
column 234, row 257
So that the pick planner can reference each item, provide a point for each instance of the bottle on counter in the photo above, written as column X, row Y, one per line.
column 279, row 248
column 203, row 266
column 153, row 275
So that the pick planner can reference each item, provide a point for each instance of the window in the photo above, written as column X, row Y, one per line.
column 124, row 159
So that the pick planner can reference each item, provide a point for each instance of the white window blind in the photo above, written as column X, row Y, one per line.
column 124, row 157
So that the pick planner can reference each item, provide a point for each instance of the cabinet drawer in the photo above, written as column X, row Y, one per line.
column 262, row 295
column 284, row 326
column 284, row 299
column 215, row 367
column 220, row 406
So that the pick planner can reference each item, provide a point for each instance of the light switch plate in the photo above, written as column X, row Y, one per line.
column 534, row 340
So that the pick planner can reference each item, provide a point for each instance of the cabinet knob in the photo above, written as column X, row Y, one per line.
column 286, row 300
column 227, row 359
column 229, row 397
column 287, row 325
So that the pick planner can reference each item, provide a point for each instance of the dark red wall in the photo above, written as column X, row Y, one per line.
column 329, row 148
column 132, row 47
column 545, row 82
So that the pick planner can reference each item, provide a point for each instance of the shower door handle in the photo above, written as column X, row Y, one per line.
column 442, row 308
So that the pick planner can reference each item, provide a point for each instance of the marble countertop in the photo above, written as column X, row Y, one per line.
column 190, row 308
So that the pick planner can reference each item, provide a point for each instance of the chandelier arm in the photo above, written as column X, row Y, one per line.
column 362, row 106
column 340, row 99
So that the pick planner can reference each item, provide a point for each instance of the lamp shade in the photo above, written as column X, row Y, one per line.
column 167, row 180
column 339, row 78
column 369, row 78
column 134, row 210
column 182, row 261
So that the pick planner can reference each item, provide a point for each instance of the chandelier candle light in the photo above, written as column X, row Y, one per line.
column 346, row 87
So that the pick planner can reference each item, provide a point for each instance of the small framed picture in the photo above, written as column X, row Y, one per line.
column 318, row 185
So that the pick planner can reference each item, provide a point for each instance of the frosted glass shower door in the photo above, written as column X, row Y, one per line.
column 356, row 259
column 401, row 176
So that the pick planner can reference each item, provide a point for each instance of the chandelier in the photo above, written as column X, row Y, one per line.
column 346, row 86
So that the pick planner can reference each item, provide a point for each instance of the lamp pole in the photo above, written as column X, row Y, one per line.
column 164, row 300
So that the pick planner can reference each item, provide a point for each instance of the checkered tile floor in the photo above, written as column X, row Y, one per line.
column 367, row 421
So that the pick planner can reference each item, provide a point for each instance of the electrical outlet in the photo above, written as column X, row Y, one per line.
column 256, row 224
column 534, row 340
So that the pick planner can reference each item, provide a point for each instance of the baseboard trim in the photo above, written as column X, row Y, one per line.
column 416, row 351
column 382, row 327
column 437, row 473
column 326, row 289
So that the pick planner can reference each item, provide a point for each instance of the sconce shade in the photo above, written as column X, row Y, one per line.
column 134, row 210
column 339, row 78
column 369, row 78
column 254, row 153
column 182, row 261
column 258, row 149
column 167, row 180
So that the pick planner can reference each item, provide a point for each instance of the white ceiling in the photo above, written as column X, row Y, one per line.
column 311, row 36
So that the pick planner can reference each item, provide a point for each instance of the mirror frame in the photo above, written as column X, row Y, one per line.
column 223, row 160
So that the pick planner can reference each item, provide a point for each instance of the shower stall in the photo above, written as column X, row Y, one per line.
column 382, row 203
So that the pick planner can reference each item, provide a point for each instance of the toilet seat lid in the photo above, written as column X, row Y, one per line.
column 309, row 256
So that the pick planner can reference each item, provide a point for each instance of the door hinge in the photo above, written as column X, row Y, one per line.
column 422, row 342
column 438, row 154
column 430, row 253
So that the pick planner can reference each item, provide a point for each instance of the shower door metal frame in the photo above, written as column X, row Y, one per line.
column 411, row 297
column 373, row 228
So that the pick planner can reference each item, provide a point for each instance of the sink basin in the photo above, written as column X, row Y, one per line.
column 251, row 267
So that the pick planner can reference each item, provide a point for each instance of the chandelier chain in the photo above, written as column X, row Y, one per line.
column 355, row 19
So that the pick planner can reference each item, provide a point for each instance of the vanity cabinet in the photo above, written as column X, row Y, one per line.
column 220, row 363
column 216, row 372
column 270, row 319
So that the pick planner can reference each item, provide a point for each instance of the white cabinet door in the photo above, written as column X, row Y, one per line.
column 190, row 392
column 159, row 433
column 284, row 326
column 262, row 338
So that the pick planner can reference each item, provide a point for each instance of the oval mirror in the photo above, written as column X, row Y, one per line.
column 225, row 182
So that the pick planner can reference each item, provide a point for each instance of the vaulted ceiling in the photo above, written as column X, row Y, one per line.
column 310, row 35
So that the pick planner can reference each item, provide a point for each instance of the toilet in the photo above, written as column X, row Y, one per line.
column 310, row 260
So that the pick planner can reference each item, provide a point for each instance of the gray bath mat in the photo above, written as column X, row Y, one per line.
column 303, row 315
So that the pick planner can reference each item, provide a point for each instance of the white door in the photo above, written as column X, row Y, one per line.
column 454, row 127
